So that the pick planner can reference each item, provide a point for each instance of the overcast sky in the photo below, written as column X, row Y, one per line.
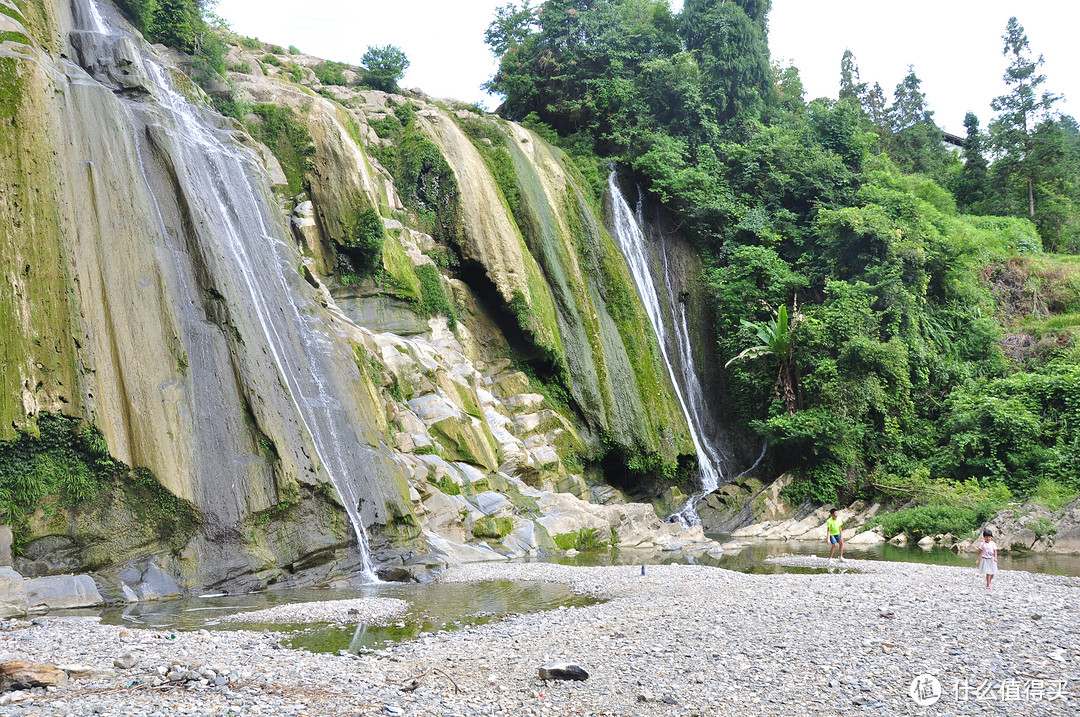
column 955, row 45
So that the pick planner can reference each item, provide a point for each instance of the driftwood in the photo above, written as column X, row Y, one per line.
column 413, row 682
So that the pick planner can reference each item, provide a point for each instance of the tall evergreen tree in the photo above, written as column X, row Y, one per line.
column 970, row 190
column 850, row 86
column 1020, row 111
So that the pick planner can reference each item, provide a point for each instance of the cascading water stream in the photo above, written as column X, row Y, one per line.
column 217, row 178
column 691, row 395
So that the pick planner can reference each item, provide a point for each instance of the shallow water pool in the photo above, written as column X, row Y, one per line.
column 432, row 607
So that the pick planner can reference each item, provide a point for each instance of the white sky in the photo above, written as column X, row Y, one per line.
column 955, row 45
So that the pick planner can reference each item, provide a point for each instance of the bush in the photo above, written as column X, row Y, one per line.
column 434, row 301
column 331, row 73
column 933, row 520
column 281, row 131
column 583, row 540
column 366, row 243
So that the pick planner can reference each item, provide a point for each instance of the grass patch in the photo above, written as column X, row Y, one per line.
column 1052, row 495
column 495, row 528
column 583, row 540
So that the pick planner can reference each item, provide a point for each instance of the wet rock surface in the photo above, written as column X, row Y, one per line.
column 682, row 640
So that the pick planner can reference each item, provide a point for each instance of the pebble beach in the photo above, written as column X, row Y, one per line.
column 680, row 640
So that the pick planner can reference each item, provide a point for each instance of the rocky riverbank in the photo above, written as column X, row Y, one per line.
column 680, row 640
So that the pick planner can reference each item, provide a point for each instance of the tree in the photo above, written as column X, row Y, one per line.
column 511, row 26
column 777, row 339
column 916, row 143
column 1021, row 109
column 970, row 189
column 850, row 87
column 385, row 66
column 731, row 43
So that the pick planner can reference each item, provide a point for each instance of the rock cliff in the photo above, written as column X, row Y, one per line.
column 266, row 410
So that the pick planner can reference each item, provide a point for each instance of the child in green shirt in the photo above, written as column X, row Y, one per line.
column 836, row 534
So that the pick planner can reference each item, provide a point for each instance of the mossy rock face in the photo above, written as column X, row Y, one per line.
column 463, row 440
column 494, row 528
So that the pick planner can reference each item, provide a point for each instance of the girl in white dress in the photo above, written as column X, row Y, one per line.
column 987, row 562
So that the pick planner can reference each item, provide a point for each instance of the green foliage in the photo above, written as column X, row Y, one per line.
column 931, row 520
column 490, row 527
column 1053, row 496
column 386, row 126
column 183, row 25
column 423, row 178
column 1043, row 527
column 331, row 73
column 365, row 241
column 384, row 66
column 280, row 130
column 447, row 485
column 491, row 143
column 583, row 540
column 1018, row 431
column 60, row 456
column 434, row 300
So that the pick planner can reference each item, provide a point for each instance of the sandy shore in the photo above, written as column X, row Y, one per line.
column 682, row 640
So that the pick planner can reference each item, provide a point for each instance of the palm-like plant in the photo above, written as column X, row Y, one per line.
column 777, row 339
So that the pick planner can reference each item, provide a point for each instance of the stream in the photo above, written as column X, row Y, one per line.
column 449, row 606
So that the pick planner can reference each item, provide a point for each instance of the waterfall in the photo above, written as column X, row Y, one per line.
column 632, row 242
column 253, row 255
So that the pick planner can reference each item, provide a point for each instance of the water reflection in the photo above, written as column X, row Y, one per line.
column 432, row 607
column 751, row 558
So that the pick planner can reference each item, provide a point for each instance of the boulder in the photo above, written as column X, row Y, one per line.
column 156, row 584
column 59, row 592
column 926, row 542
column 1068, row 541
column 21, row 675
column 900, row 539
column 867, row 537
column 13, row 599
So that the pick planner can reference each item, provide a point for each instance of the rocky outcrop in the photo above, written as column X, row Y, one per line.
column 1032, row 527
column 275, row 419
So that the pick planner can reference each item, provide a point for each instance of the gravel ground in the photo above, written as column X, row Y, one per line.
column 368, row 610
column 682, row 640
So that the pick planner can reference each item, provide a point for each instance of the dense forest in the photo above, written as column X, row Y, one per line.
column 904, row 313
column 897, row 315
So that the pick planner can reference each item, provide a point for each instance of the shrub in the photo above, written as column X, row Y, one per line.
column 934, row 520
column 365, row 244
column 1052, row 495
column 281, row 131
column 434, row 301
column 330, row 73
column 583, row 540
column 385, row 66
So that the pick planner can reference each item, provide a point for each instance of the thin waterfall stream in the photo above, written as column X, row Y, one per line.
column 218, row 178
column 691, row 395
